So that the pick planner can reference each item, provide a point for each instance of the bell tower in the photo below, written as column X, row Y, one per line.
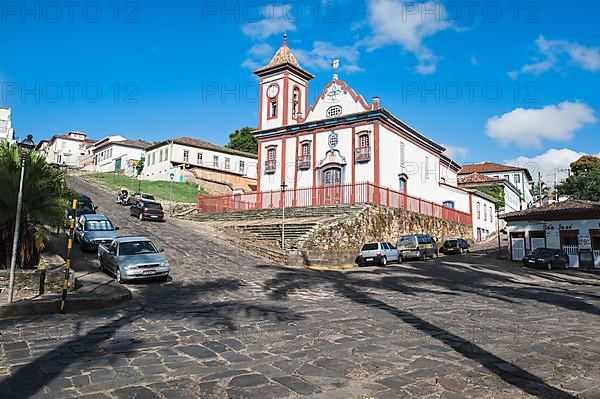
column 283, row 94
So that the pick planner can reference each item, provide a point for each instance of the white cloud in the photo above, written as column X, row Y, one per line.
column 275, row 19
column 407, row 23
column 455, row 152
column 322, row 53
column 551, row 53
column 529, row 127
column 553, row 160
column 258, row 55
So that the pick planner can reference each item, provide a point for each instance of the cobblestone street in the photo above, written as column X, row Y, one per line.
column 232, row 325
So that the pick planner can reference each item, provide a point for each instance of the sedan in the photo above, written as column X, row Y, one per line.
column 148, row 210
column 547, row 258
column 455, row 246
column 378, row 253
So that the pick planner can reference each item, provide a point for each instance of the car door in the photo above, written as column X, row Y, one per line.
column 111, row 257
column 385, row 251
column 394, row 254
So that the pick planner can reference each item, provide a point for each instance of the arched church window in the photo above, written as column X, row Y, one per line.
column 334, row 111
column 402, row 183
column 296, row 102
column 332, row 176
column 273, row 108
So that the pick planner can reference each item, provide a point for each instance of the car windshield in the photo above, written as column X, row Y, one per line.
column 148, row 196
column 370, row 247
column 153, row 205
column 543, row 252
column 98, row 225
column 85, row 206
column 408, row 240
column 137, row 248
column 450, row 243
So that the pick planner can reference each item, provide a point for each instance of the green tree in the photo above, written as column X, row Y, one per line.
column 496, row 192
column 584, row 183
column 44, row 199
column 139, row 167
column 243, row 140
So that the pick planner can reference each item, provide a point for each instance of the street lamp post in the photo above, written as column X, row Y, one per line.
column 498, row 231
column 283, row 187
column 172, row 176
column 25, row 148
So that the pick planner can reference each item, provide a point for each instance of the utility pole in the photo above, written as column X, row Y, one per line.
column 556, row 185
column 540, row 188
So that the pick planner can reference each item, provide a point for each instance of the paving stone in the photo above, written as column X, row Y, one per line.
column 297, row 385
column 395, row 382
column 102, row 375
column 248, row 380
column 135, row 392
column 197, row 351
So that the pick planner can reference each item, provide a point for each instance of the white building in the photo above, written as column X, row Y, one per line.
column 572, row 226
column 115, row 153
column 512, row 195
column 519, row 178
column 66, row 149
column 6, row 130
column 342, row 149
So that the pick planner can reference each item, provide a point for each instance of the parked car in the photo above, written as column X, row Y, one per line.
column 92, row 230
column 148, row 210
column 133, row 258
column 378, row 253
column 420, row 246
column 547, row 258
column 85, row 206
column 455, row 246
column 137, row 197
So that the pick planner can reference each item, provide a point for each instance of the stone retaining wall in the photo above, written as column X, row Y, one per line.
column 382, row 224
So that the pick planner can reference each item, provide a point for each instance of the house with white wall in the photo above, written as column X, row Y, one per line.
column 6, row 131
column 572, row 226
column 66, row 149
column 512, row 195
column 218, row 169
column 519, row 178
column 114, row 153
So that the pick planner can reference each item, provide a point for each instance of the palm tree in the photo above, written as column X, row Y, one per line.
column 44, row 198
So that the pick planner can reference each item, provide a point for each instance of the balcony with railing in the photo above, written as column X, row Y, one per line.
column 270, row 166
column 304, row 162
column 362, row 154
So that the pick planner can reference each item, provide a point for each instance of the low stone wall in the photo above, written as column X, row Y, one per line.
column 316, row 257
column 382, row 224
column 27, row 282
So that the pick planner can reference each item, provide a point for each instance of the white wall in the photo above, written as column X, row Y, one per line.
column 157, row 169
column 106, row 156
column 486, row 219
column 65, row 152
column 6, row 131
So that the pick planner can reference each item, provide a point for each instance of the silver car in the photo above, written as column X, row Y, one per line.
column 378, row 253
column 93, row 230
column 133, row 258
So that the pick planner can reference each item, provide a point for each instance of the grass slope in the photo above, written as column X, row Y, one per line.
column 181, row 192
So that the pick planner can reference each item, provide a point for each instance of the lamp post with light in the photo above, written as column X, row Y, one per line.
column 25, row 149
column 283, row 187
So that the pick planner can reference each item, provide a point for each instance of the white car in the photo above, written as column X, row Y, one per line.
column 378, row 253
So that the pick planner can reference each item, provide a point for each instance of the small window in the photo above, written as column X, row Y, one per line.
column 216, row 161
column 485, row 212
column 186, row 156
column 507, row 177
column 227, row 163
column 242, row 166
column 273, row 109
column 295, row 102
column 402, row 156
column 199, row 158
column 334, row 111
column 271, row 154
column 517, row 178
column 402, row 184
column 449, row 204
column 363, row 140
column 306, row 149
column 426, row 168
column 478, row 210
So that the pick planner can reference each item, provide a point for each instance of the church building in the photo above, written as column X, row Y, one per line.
column 343, row 149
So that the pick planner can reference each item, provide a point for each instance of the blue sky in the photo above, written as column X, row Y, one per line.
column 493, row 82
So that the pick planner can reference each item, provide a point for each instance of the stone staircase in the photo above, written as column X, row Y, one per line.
column 262, row 214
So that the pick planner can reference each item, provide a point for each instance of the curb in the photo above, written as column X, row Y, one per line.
column 340, row 267
column 52, row 305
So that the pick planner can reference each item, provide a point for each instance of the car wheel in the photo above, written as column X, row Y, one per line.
column 399, row 259
column 423, row 256
column 383, row 261
column 549, row 266
column 461, row 251
column 163, row 279
column 141, row 217
column 435, row 255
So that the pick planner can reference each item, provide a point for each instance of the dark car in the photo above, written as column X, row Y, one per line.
column 547, row 258
column 85, row 206
column 149, row 210
column 455, row 246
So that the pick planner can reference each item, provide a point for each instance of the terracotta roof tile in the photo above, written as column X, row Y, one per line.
column 487, row 167
column 205, row 145
column 477, row 178
column 570, row 207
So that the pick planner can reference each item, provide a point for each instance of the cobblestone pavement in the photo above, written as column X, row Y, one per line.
column 231, row 325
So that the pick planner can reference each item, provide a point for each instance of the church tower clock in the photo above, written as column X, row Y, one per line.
column 283, row 90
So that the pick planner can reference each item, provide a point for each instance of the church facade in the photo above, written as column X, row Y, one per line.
column 343, row 149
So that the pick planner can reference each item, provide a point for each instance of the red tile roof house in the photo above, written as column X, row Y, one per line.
column 573, row 226
column 512, row 195
column 520, row 178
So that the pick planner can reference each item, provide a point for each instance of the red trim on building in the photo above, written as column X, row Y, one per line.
column 314, row 166
column 260, row 106
column 286, row 97
column 376, row 165
column 352, row 199
column 295, row 171
column 283, row 153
